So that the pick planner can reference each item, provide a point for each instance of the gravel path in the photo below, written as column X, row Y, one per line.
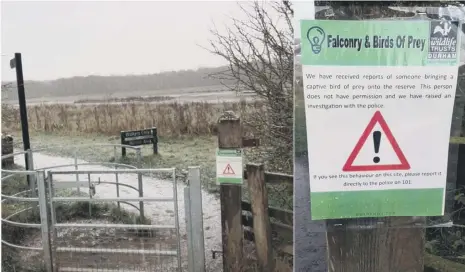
column 159, row 212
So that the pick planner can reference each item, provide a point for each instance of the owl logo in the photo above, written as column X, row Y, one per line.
column 443, row 28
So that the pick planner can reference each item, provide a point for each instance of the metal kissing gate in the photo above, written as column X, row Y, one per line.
column 88, row 232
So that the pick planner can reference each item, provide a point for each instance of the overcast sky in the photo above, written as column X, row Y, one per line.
column 302, row 10
column 64, row 39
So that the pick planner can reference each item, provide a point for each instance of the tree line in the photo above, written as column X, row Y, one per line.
column 86, row 85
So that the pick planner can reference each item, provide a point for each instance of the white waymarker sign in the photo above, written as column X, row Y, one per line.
column 229, row 169
column 379, row 97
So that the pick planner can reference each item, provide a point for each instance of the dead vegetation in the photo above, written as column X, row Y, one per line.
column 172, row 119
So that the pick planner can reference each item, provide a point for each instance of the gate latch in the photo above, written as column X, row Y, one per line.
column 92, row 190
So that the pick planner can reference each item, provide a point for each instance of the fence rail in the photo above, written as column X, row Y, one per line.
column 280, row 220
column 275, row 178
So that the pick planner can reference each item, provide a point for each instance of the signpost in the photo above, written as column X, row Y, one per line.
column 229, row 171
column 17, row 64
column 376, row 92
column 139, row 137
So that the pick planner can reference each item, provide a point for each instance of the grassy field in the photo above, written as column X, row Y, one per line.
column 179, row 152
column 187, row 131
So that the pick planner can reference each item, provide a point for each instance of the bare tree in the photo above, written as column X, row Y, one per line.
column 260, row 56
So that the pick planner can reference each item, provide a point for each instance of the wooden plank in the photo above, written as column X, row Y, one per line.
column 230, row 136
column 381, row 249
column 275, row 178
column 285, row 216
column 261, row 225
column 250, row 142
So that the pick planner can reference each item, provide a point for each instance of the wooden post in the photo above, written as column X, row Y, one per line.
column 123, row 149
column 155, row 140
column 261, row 222
column 382, row 249
column 230, row 136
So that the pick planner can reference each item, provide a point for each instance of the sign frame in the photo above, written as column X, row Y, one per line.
column 229, row 166
column 337, row 185
column 139, row 137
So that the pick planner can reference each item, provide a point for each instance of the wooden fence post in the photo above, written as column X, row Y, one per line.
column 382, row 249
column 261, row 222
column 230, row 137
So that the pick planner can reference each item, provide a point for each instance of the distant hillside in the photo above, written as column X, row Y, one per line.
column 111, row 84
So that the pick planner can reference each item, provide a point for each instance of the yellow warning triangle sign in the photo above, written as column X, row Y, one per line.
column 228, row 170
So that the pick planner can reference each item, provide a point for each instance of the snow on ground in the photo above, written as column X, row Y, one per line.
column 158, row 212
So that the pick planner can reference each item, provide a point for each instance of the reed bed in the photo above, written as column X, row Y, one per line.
column 172, row 119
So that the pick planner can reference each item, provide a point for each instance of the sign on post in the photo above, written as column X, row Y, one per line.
column 379, row 97
column 139, row 137
column 229, row 169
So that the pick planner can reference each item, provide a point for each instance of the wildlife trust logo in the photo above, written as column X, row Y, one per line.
column 443, row 40
column 316, row 36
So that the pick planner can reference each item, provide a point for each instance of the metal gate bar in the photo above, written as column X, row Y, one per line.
column 79, row 269
column 43, row 209
column 117, row 250
column 194, row 221
column 113, row 199
column 113, row 226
